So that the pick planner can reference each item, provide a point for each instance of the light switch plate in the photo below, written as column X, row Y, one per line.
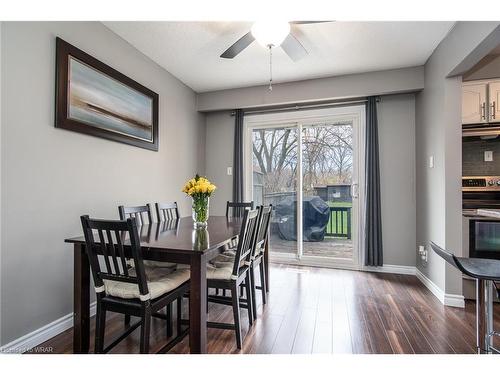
column 431, row 161
column 488, row 156
column 229, row 171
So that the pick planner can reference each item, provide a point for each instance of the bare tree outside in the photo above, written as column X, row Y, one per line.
column 327, row 156
column 275, row 156
column 327, row 161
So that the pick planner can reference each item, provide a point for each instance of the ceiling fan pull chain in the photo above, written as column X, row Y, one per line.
column 270, row 68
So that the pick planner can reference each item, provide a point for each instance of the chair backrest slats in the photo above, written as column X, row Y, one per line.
column 136, row 212
column 121, row 251
column 237, row 209
column 262, row 230
column 167, row 211
column 114, row 257
column 115, row 262
column 247, row 235
column 104, row 249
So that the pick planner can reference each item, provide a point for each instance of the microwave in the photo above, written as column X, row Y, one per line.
column 484, row 238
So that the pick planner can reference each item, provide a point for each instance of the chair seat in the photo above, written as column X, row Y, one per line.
column 154, row 263
column 220, row 271
column 234, row 242
column 226, row 256
column 159, row 280
column 223, row 271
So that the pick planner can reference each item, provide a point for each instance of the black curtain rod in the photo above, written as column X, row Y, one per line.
column 305, row 106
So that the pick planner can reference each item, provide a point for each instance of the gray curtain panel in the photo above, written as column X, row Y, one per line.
column 238, row 157
column 373, row 219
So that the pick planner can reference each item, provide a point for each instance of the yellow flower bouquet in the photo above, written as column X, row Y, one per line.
column 199, row 189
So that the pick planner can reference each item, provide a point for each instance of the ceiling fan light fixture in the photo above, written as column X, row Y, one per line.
column 270, row 33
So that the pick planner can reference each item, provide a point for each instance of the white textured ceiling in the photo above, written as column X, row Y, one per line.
column 191, row 50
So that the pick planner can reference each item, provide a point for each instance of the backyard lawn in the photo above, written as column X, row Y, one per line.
column 339, row 204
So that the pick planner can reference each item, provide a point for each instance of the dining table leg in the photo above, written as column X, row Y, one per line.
column 81, row 300
column 198, row 305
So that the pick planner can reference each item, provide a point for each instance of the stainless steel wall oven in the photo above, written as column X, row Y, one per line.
column 484, row 238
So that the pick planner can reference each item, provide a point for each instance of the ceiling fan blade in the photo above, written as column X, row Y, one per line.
column 239, row 46
column 293, row 48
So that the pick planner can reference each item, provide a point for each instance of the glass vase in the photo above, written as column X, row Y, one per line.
column 200, row 238
column 200, row 211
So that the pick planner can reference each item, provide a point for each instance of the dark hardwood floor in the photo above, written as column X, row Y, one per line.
column 316, row 310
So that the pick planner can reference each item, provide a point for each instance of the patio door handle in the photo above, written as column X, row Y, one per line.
column 355, row 190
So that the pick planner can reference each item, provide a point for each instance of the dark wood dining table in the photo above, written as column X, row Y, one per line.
column 171, row 241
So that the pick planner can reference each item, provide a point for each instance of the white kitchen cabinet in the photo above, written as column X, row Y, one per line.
column 494, row 101
column 474, row 105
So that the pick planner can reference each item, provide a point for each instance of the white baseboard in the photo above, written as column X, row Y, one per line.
column 453, row 300
column 32, row 339
column 391, row 268
column 325, row 263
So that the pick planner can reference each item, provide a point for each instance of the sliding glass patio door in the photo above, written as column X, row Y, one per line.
column 306, row 165
column 274, row 181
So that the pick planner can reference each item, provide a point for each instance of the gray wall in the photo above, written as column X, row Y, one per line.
column 51, row 176
column 396, row 116
column 397, row 156
column 340, row 87
column 438, row 133
column 218, row 156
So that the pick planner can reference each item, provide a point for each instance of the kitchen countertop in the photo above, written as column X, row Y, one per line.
column 491, row 213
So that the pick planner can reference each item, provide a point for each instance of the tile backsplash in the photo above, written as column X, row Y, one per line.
column 473, row 163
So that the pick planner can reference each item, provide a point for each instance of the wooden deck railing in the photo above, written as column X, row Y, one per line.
column 339, row 224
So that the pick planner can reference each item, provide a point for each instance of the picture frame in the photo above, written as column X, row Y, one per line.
column 94, row 98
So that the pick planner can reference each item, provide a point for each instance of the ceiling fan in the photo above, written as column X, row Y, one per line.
column 271, row 34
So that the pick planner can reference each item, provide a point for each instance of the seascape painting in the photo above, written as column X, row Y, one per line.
column 101, row 101
column 95, row 99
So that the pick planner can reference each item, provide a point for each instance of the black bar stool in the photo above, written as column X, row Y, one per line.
column 486, row 272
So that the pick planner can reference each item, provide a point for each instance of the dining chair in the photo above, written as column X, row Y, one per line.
column 167, row 211
column 139, row 291
column 231, row 275
column 140, row 213
column 237, row 209
column 258, row 259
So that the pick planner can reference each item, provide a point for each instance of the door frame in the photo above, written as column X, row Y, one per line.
column 298, row 119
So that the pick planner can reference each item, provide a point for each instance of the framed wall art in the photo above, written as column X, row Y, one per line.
column 93, row 98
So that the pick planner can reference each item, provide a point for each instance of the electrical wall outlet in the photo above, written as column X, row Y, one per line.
column 488, row 156
column 422, row 252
